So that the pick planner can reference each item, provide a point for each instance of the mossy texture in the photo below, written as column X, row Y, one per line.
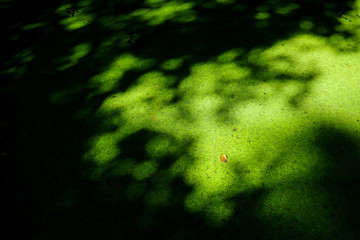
column 133, row 104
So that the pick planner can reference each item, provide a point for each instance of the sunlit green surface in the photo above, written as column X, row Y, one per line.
column 255, row 118
column 169, row 116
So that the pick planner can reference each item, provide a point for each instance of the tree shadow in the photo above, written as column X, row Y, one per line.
column 339, row 178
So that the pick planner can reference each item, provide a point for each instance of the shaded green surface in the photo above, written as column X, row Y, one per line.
column 117, row 113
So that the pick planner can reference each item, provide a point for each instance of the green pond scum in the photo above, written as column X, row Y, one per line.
column 181, row 119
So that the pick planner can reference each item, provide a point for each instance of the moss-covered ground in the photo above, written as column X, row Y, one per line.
column 117, row 113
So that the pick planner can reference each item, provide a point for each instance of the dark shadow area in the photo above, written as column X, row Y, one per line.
column 340, row 178
column 330, row 190
column 48, row 192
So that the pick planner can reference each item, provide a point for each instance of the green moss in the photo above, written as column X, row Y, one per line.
column 155, row 114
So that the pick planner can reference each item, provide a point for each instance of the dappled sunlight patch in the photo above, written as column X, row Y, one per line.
column 203, row 111
column 209, row 173
column 142, row 105
column 159, row 12
column 287, row 9
column 78, row 52
column 293, row 58
column 262, row 16
column 230, row 56
column 23, row 57
column 232, row 72
column 73, row 18
column 172, row 64
column 155, row 2
column 214, row 181
column 349, row 21
column 34, row 25
column 202, row 80
column 225, row 2
column 110, row 41
column 306, row 25
column 145, row 169
column 343, row 43
column 145, row 100
column 335, row 95
column 179, row 166
column 208, row 77
column 339, row 59
column 73, row 23
column 161, row 145
column 154, row 79
column 108, row 79
column 266, row 112
column 104, row 148
column 335, row 74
